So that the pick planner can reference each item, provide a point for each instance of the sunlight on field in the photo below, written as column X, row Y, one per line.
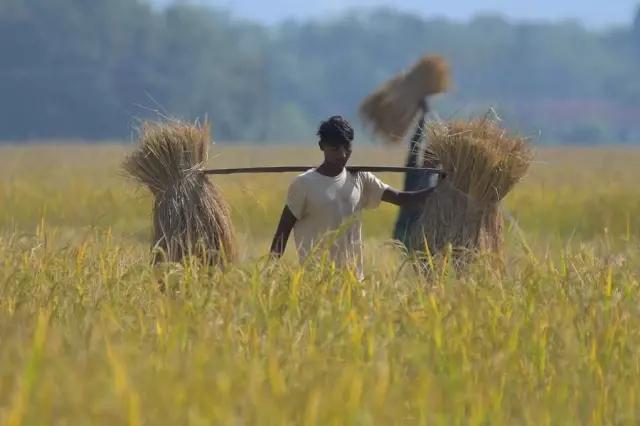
column 87, row 338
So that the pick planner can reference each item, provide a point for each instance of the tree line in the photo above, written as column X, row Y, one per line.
column 77, row 69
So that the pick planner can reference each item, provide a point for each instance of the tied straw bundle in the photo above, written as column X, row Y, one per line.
column 483, row 163
column 391, row 108
column 190, row 217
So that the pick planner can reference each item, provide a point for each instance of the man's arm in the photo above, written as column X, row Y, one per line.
column 285, row 226
column 293, row 209
column 376, row 191
column 406, row 198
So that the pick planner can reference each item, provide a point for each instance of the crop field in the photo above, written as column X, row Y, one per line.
column 87, row 338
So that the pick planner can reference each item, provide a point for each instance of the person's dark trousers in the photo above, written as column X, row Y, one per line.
column 413, row 181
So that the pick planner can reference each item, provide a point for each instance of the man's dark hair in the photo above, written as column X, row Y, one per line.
column 336, row 131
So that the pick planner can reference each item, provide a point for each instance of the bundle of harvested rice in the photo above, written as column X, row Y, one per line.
column 190, row 218
column 483, row 163
column 391, row 108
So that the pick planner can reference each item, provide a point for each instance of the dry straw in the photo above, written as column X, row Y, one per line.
column 483, row 163
column 391, row 108
column 190, row 217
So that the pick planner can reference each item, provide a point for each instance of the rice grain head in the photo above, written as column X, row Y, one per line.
column 483, row 163
column 190, row 216
column 480, row 158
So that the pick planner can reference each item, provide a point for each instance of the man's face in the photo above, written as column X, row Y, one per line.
column 336, row 154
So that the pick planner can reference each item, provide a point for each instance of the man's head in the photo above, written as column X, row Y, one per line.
column 336, row 137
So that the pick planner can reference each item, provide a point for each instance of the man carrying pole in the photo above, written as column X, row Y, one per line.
column 323, row 199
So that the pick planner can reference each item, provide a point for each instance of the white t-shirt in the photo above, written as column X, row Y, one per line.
column 323, row 204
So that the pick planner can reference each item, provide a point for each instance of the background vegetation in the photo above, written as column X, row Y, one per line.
column 87, row 70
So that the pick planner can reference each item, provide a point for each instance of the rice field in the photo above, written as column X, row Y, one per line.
column 87, row 338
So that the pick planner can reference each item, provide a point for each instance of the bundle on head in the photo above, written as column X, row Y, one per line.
column 483, row 163
column 190, row 218
column 391, row 108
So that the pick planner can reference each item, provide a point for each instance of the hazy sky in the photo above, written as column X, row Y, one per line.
column 590, row 12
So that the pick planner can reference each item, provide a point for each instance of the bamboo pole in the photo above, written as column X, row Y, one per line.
column 288, row 169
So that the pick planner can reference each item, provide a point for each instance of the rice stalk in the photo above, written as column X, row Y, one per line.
column 190, row 217
column 392, row 107
column 483, row 163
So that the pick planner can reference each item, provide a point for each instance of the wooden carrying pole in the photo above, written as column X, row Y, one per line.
column 287, row 169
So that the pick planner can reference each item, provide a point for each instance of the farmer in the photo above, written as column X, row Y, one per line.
column 414, row 180
column 324, row 199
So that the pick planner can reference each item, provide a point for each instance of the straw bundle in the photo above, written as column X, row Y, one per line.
column 190, row 218
column 391, row 108
column 483, row 163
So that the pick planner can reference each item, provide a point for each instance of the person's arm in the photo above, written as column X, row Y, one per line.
column 376, row 191
column 291, row 213
column 406, row 198
column 414, row 144
column 285, row 226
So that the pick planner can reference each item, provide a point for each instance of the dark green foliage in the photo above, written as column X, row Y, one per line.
column 91, row 69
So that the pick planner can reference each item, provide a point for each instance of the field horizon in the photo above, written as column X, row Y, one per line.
column 87, row 337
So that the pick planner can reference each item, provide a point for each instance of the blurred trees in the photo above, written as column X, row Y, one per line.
column 91, row 69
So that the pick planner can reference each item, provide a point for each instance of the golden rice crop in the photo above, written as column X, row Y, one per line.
column 483, row 163
column 190, row 217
